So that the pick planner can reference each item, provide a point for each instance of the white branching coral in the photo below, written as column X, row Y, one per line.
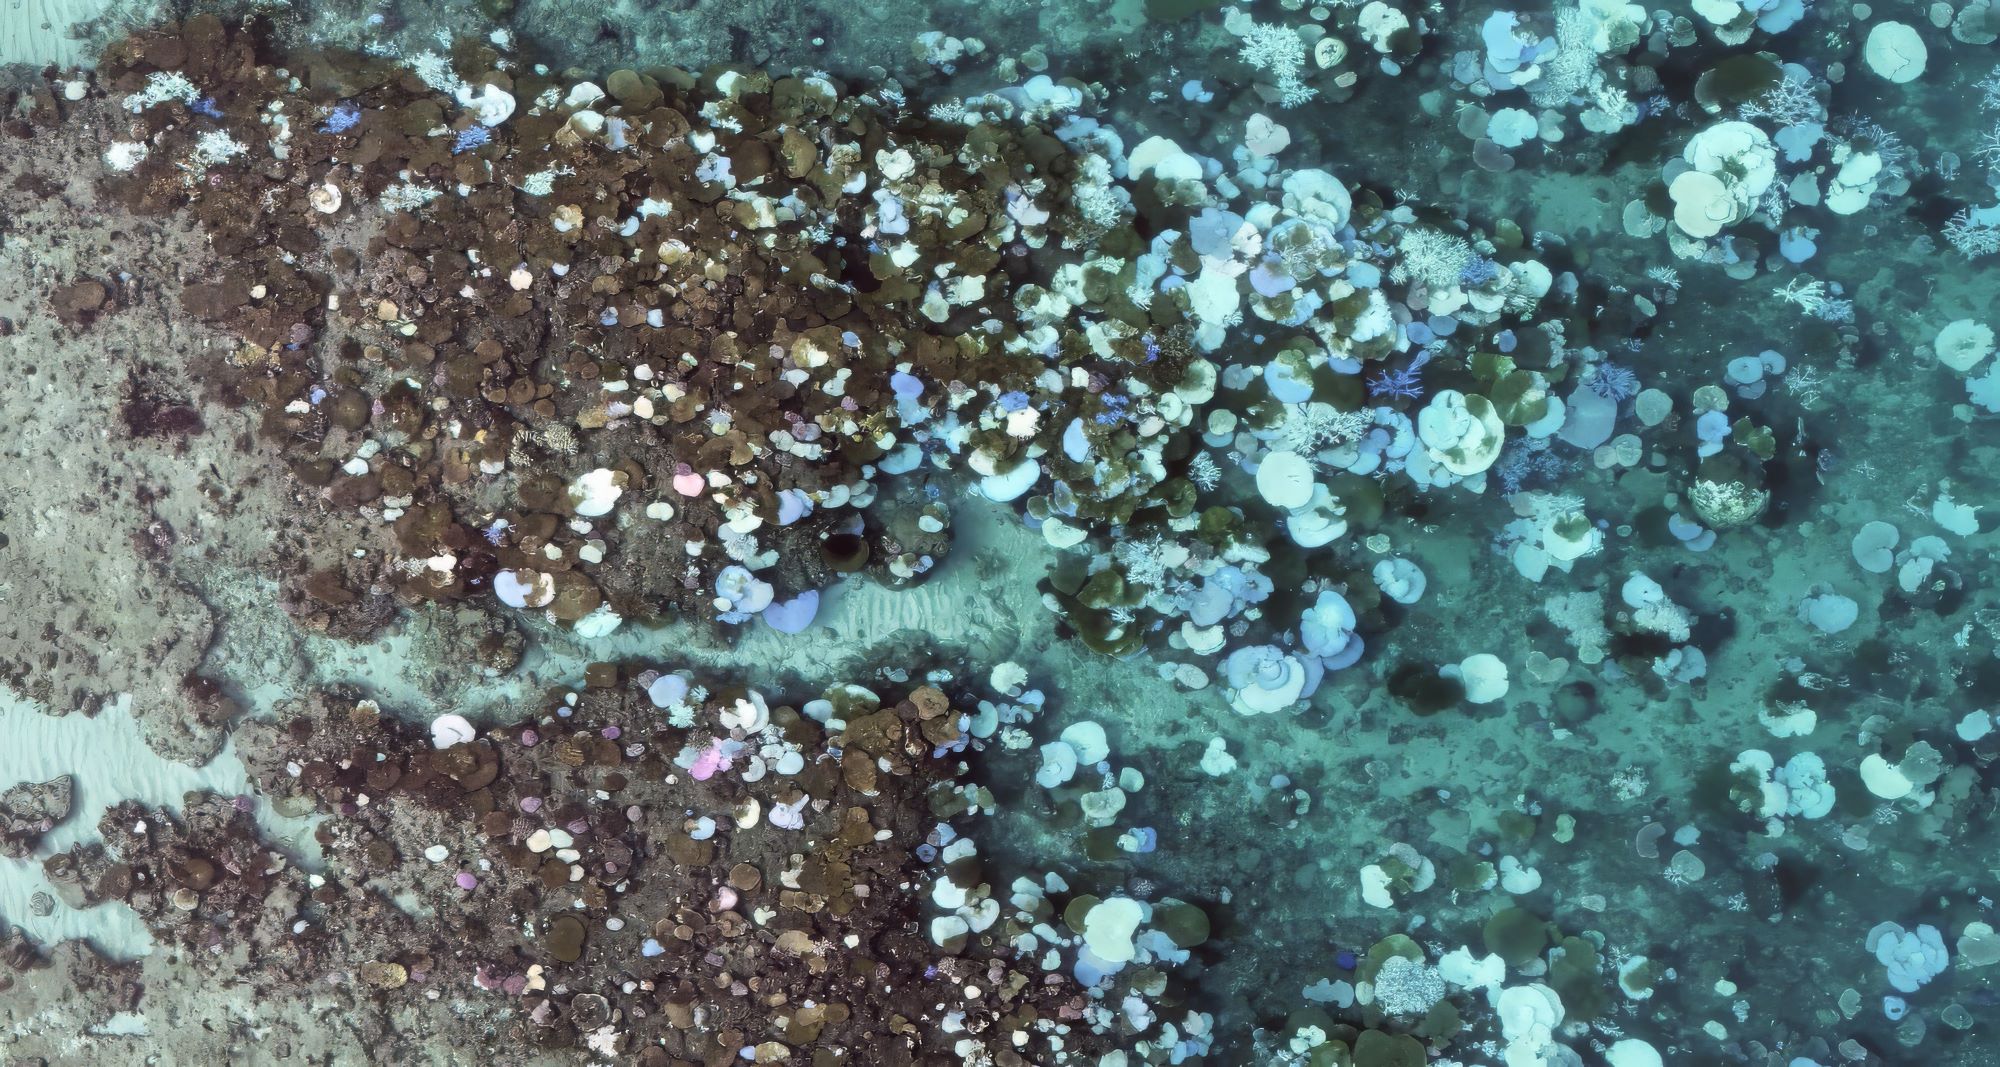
column 162, row 86
column 543, row 182
column 1581, row 615
column 1972, row 235
column 1281, row 53
column 1787, row 103
column 1310, row 427
column 1099, row 204
column 1610, row 108
column 1434, row 257
column 1989, row 88
column 1148, row 563
column 1812, row 297
column 435, row 71
column 1550, row 508
column 1664, row 617
column 1987, row 150
column 1203, row 472
column 1307, row 249
column 216, row 147
column 1574, row 63
column 404, row 196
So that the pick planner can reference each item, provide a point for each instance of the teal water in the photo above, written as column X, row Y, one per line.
column 1696, row 698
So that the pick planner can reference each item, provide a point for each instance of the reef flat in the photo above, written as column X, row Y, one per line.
column 1358, row 534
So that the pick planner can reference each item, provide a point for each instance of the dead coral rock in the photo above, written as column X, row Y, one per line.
column 17, row 955
column 465, row 632
column 733, row 358
column 150, row 411
column 588, row 1011
column 914, row 538
column 191, row 722
column 348, row 600
column 384, row 975
column 196, row 877
column 626, row 903
column 29, row 810
column 84, row 875
column 80, row 302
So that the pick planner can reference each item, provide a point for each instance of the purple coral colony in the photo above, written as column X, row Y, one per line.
column 1171, row 532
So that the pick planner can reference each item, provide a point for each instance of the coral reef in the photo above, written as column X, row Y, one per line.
column 1154, row 532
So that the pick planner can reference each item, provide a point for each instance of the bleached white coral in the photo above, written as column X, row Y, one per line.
column 125, row 155
column 1434, row 257
column 1099, row 206
column 1610, row 109
column 1574, row 64
column 1407, row 987
column 1281, row 53
column 1663, row 617
column 216, row 147
column 540, row 183
column 1726, row 504
column 1203, row 472
column 1310, row 427
column 1149, row 563
column 404, row 196
column 435, row 71
column 1987, row 149
column 1989, row 88
column 1788, row 103
column 162, row 86
column 1808, row 293
column 1972, row 234
column 1581, row 615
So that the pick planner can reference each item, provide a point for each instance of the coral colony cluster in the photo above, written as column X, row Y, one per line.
column 1500, row 653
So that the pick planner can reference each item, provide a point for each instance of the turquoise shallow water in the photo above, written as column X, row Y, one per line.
column 1560, row 565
